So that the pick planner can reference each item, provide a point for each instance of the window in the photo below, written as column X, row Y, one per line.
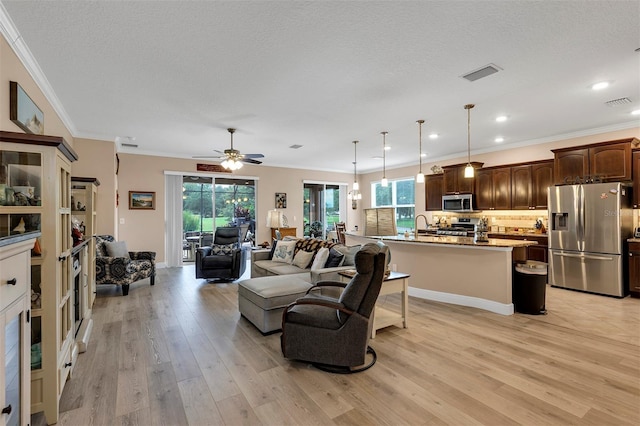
column 324, row 205
column 399, row 194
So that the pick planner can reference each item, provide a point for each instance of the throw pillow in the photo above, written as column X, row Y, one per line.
column 284, row 251
column 335, row 259
column 321, row 258
column 117, row 249
column 302, row 259
column 349, row 254
column 223, row 249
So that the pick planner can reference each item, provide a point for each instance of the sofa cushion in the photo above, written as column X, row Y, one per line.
column 335, row 259
column 302, row 259
column 349, row 254
column 312, row 244
column 284, row 251
column 320, row 259
column 217, row 262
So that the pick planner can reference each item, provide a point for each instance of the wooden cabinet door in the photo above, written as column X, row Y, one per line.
column 569, row 164
column 634, row 269
column 539, row 253
column 541, row 179
column 484, row 189
column 502, row 188
column 521, row 187
column 465, row 185
column 611, row 162
column 450, row 180
column 636, row 179
column 433, row 185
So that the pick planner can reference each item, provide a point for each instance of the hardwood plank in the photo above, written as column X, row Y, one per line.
column 133, row 388
column 182, row 359
column 199, row 405
column 237, row 411
column 167, row 407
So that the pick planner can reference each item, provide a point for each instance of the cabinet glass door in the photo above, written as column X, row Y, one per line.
column 11, row 408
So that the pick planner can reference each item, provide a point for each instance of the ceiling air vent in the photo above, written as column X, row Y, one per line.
column 295, row 146
column 482, row 72
column 618, row 102
column 129, row 145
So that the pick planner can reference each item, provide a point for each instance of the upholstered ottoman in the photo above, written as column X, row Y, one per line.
column 262, row 300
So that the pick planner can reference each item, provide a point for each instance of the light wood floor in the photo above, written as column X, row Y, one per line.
column 179, row 353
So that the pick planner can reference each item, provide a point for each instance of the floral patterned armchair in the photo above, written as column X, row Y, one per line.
column 121, row 269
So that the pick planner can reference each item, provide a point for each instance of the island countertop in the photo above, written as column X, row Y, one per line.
column 452, row 240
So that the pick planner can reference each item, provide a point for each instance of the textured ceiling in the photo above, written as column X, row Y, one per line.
column 320, row 74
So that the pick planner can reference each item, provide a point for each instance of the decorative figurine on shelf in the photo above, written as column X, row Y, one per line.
column 540, row 229
column 20, row 227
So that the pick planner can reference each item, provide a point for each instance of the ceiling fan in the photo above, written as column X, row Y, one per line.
column 232, row 158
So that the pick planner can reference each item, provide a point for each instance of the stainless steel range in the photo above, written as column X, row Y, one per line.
column 463, row 228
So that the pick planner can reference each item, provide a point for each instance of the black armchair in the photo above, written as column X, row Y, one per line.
column 333, row 334
column 225, row 259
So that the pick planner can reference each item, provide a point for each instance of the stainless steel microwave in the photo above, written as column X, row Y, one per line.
column 457, row 203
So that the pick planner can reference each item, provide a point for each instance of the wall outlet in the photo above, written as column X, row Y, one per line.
column 122, row 221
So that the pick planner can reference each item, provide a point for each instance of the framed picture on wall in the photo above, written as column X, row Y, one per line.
column 142, row 200
column 23, row 111
column 281, row 200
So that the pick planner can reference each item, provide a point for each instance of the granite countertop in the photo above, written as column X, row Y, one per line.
column 520, row 234
column 459, row 241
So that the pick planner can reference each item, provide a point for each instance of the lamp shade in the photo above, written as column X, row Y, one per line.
column 274, row 219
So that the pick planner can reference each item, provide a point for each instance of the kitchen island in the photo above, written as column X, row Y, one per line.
column 456, row 270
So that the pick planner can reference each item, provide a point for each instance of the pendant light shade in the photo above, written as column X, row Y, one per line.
column 468, row 170
column 420, row 175
column 355, row 194
column 384, row 181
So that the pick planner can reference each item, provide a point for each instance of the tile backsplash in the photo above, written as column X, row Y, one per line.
column 510, row 220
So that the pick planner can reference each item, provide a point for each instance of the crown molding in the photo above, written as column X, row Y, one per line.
column 13, row 37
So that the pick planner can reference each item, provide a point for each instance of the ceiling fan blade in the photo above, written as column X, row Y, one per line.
column 253, row 155
column 207, row 156
column 250, row 161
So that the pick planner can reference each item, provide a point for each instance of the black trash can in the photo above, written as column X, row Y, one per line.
column 529, row 287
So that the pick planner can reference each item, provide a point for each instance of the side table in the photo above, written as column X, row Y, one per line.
column 396, row 282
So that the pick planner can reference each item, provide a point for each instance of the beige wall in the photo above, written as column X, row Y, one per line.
column 11, row 69
column 97, row 160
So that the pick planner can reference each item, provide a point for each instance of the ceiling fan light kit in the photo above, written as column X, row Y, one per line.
column 232, row 159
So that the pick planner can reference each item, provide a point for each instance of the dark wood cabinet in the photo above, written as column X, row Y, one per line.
column 635, row 159
column 605, row 162
column 493, row 189
column 455, row 182
column 433, row 185
column 634, row 269
column 529, row 183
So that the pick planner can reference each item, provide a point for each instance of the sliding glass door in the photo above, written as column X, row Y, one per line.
column 324, row 205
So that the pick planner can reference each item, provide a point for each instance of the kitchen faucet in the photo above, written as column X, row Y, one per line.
column 426, row 224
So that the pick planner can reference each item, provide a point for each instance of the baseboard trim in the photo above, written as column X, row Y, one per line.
column 458, row 299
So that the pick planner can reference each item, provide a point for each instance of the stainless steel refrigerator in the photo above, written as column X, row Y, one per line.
column 588, row 226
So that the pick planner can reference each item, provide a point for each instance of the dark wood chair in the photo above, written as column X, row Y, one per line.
column 341, row 228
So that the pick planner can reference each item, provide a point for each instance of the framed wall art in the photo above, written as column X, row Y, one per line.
column 142, row 200
column 23, row 111
column 281, row 200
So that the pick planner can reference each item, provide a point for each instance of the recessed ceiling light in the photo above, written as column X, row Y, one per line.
column 501, row 118
column 636, row 112
column 499, row 139
column 599, row 86
column 433, row 136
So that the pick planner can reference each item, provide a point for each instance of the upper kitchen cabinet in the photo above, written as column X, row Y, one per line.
column 529, row 183
column 604, row 162
column 433, row 192
column 493, row 188
column 455, row 182
column 635, row 159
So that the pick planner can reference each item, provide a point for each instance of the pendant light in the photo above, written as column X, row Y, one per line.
column 384, row 181
column 468, row 171
column 420, row 176
column 355, row 194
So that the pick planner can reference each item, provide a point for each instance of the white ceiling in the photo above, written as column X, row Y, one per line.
column 176, row 74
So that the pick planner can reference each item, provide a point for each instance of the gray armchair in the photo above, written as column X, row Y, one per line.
column 333, row 334
column 225, row 259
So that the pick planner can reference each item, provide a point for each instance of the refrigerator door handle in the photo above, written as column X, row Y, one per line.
column 584, row 256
